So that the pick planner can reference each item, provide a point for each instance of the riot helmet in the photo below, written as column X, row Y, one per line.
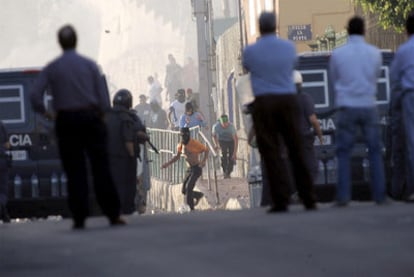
column 123, row 98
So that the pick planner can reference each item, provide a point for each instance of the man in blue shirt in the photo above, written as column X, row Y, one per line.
column 354, row 69
column 402, row 82
column 276, row 113
column 79, row 99
column 191, row 118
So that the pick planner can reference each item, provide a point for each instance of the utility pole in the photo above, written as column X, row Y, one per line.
column 203, row 20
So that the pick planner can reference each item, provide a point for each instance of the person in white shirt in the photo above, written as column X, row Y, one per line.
column 176, row 110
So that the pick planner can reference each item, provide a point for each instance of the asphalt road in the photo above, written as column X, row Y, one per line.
column 360, row 240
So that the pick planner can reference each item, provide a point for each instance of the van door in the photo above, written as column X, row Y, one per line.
column 33, row 148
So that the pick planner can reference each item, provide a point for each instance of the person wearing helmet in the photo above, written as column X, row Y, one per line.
column 122, row 137
column 191, row 149
column 309, row 125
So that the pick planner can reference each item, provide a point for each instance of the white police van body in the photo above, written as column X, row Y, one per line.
column 314, row 69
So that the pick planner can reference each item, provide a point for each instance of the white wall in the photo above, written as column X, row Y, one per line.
column 127, row 38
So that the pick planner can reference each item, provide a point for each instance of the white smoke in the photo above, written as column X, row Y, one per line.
column 128, row 40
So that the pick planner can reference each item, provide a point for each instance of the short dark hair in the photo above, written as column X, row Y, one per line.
column 67, row 37
column 189, row 106
column 409, row 23
column 184, row 130
column 267, row 22
column 180, row 91
column 356, row 26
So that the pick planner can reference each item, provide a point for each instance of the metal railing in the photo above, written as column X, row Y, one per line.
column 166, row 142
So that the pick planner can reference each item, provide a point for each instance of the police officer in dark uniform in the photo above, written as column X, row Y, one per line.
column 309, row 126
column 4, row 145
column 142, row 178
column 124, row 129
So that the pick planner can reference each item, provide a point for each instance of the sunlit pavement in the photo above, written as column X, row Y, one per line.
column 360, row 240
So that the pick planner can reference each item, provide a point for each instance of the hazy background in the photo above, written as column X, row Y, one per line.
column 130, row 39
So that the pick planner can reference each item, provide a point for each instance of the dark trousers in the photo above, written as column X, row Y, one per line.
column 274, row 116
column 82, row 137
column 310, row 155
column 227, row 150
column 398, row 148
column 124, row 174
column 190, row 179
column 4, row 187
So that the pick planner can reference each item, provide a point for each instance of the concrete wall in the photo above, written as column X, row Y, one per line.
column 167, row 197
column 228, row 51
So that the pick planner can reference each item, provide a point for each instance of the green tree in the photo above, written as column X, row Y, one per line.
column 391, row 13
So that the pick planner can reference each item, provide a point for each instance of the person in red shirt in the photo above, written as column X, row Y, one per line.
column 191, row 149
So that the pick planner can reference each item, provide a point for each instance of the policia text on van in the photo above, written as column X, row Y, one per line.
column 37, row 183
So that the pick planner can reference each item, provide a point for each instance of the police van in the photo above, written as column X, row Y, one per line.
column 37, row 183
column 314, row 69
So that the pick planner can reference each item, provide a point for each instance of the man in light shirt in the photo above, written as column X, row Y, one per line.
column 402, row 82
column 276, row 114
column 354, row 69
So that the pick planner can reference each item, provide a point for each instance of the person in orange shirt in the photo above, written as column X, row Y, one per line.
column 191, row 149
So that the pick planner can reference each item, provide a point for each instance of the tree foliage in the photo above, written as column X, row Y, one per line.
column 391, row 13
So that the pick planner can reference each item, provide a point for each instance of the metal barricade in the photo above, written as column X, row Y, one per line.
column 166, row 142
column 254, row 179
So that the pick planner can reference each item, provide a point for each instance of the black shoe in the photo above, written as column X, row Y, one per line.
column 311, row 207
column 197, row 196
column 4, row 215
column 340, row 204
column 409, row 198
column 384, row 202
column 277, row 209
column 119, row 221
column 78, row 225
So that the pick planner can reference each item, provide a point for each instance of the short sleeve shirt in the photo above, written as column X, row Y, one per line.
column 224, row 134
column 178, row 109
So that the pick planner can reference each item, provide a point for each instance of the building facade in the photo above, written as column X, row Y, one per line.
column 312, row 25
